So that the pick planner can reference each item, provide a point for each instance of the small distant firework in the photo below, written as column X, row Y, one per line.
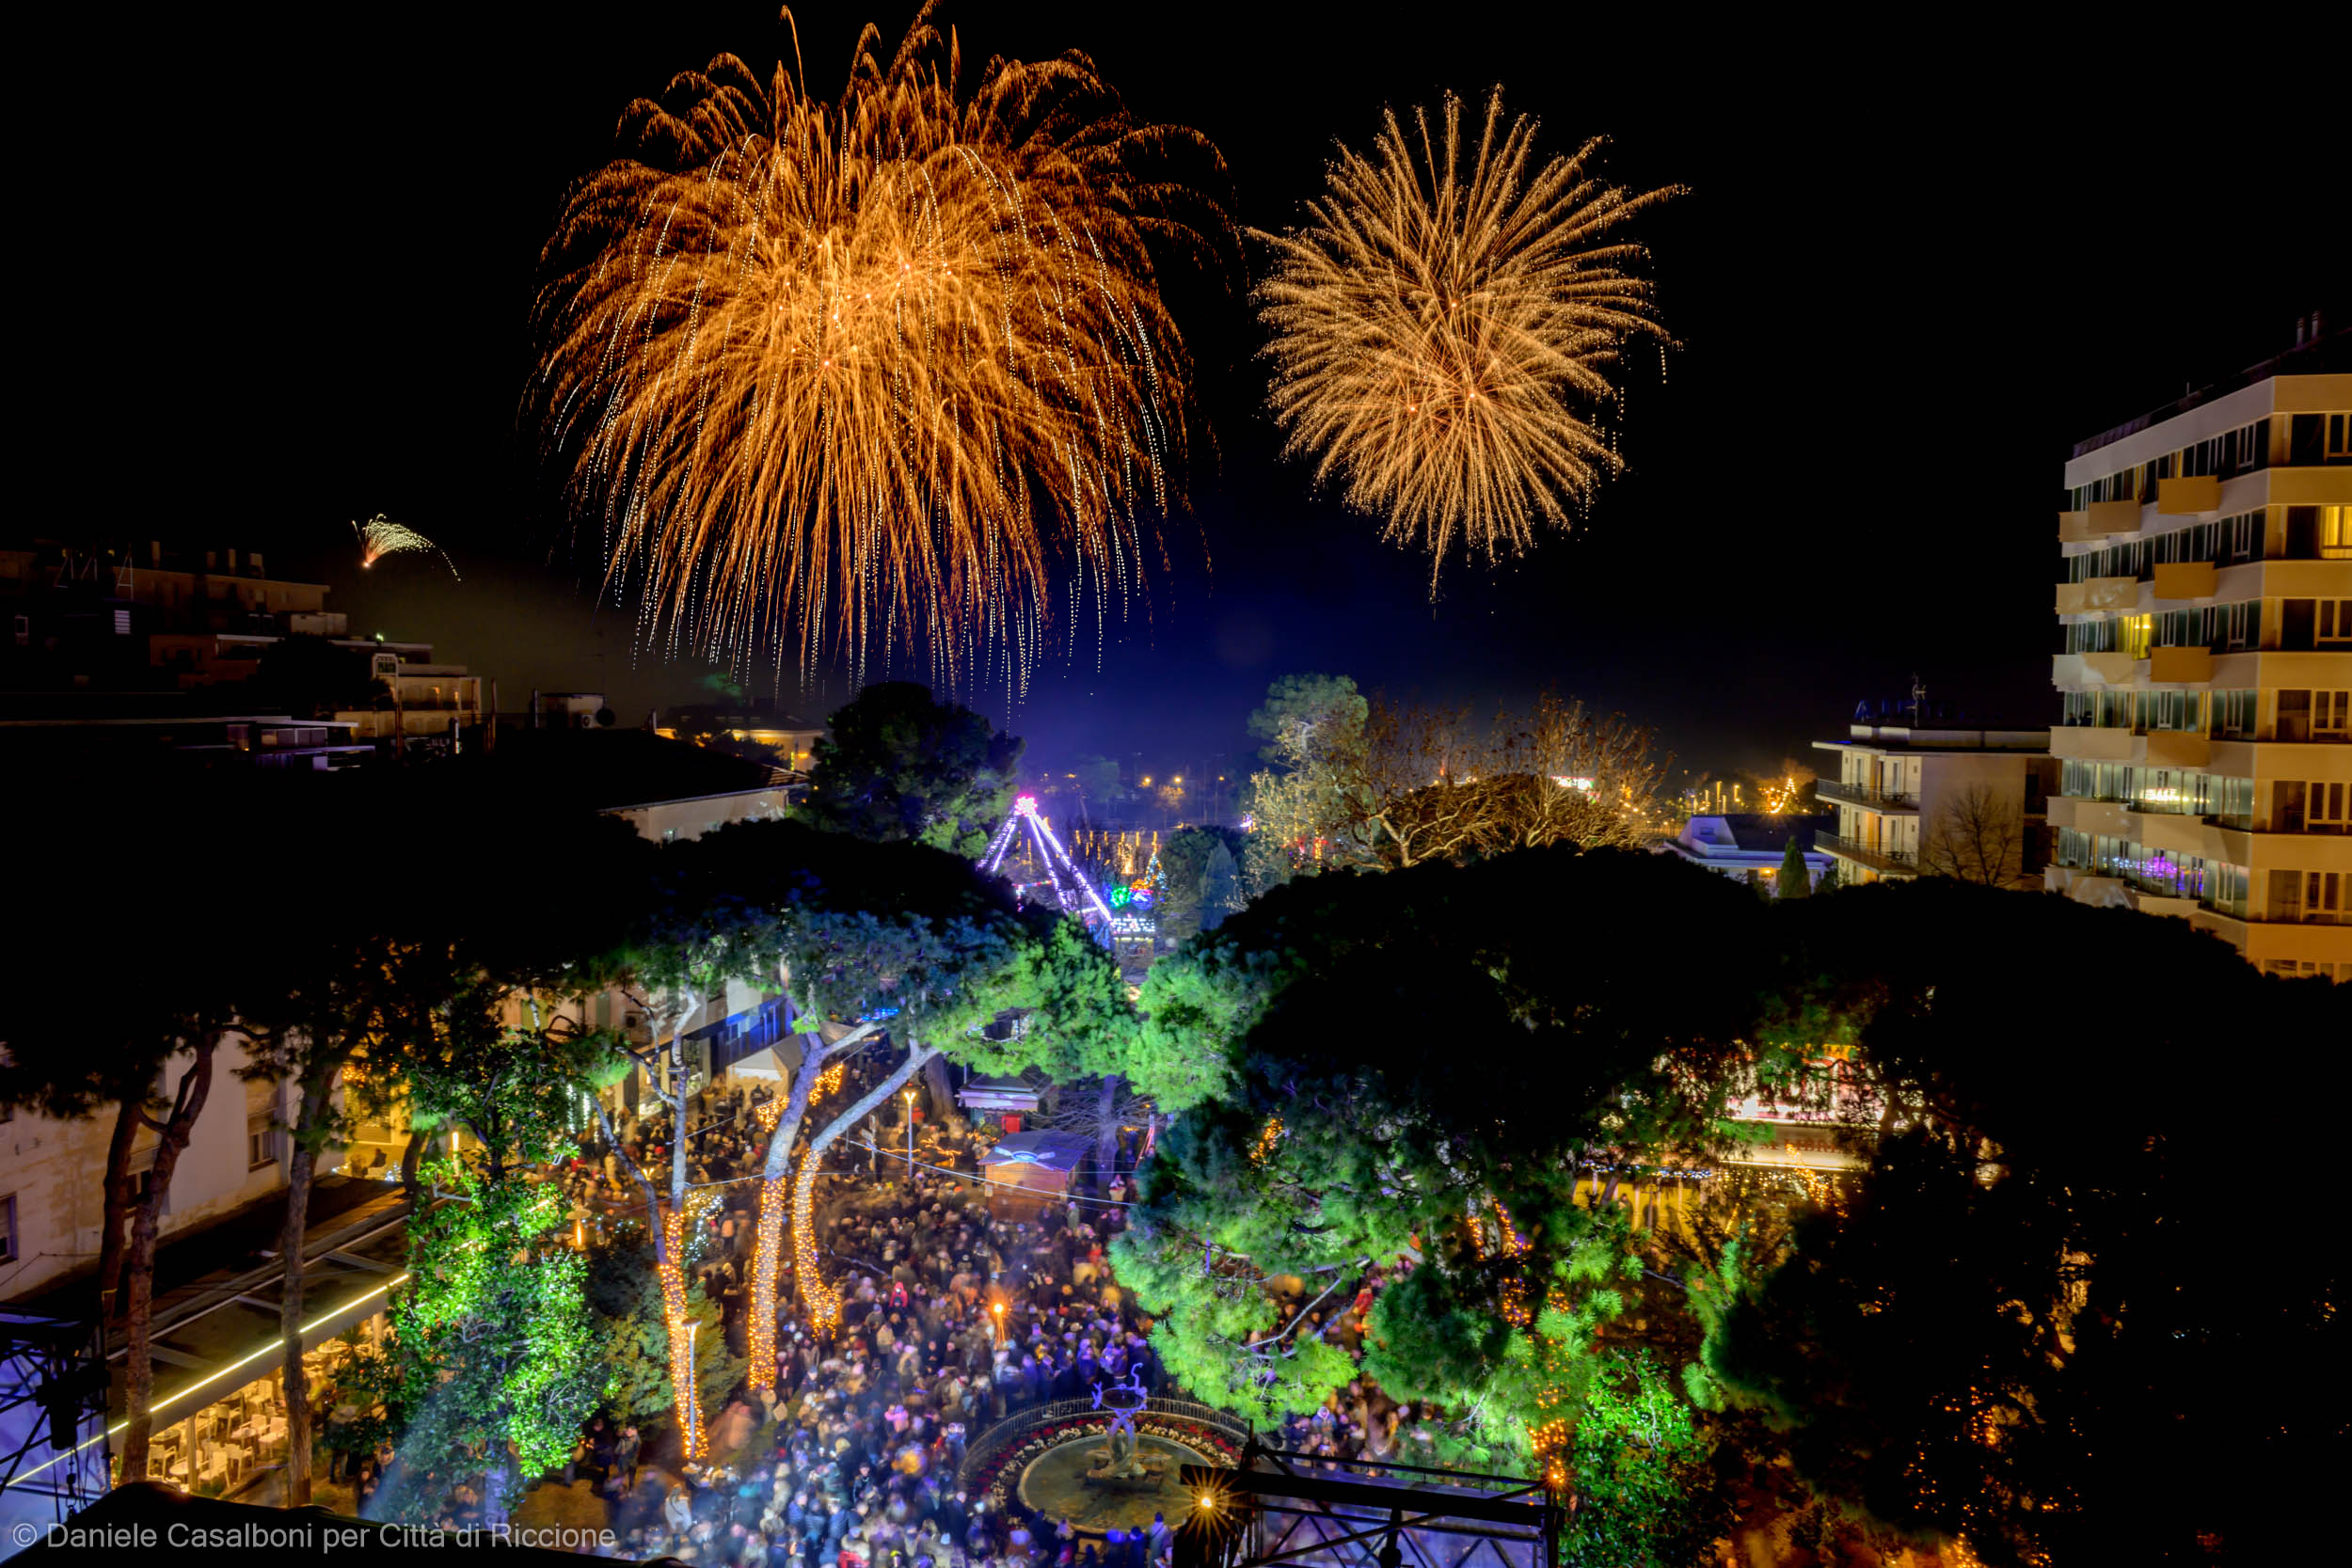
column 1440, row 333
column 379, row 536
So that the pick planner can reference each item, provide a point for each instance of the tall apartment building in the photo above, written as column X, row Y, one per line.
column 2206, row 677
column 1918, row 787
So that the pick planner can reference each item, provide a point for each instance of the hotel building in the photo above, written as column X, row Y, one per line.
column 2205, row 676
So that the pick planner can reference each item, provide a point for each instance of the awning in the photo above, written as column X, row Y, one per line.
column 763, row 1063
column 1053, row 1151
column 997, row 1094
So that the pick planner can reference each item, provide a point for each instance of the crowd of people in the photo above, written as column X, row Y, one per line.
column 956, row 1312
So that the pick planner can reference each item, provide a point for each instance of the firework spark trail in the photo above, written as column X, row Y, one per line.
column 836, row 377
column 379, row 536
column 1437, row 330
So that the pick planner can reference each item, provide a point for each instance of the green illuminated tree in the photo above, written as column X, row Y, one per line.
column 1348, row 1134
column 494, row 1360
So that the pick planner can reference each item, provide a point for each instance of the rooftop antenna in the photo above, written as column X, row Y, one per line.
column 1918, row 701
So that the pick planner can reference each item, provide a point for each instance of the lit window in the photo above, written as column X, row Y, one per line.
column 2327, row 813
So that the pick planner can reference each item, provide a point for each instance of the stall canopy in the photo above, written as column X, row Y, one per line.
column 1029, row 1171
column 999, row 1094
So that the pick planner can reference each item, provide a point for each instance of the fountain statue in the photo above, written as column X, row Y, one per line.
column 1117, row 1464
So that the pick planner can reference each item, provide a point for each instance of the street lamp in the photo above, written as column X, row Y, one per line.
column 999, row 1308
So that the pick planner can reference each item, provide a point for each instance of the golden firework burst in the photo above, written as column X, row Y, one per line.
column 1443, row 334
column 840, row 379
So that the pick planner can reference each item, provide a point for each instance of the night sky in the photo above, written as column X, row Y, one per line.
column 1909, row 272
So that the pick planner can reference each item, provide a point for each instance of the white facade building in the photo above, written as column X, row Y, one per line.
column 2206, row 677
column 1964, row 797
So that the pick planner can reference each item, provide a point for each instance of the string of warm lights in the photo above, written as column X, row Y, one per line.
column 767, row 1249
column 675, row 1226
column 1548, row 1439
column 1268, row 1137
column 824, row 1307
column 767, row 1245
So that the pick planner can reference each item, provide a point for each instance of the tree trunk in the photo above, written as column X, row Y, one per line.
column 292, row 1237
column 1105, row 1132
column 821, row 1304
column 775, row 1195
column 411, row 1158
column 145, row 1222
column 943, row 1091
column 118, row 1209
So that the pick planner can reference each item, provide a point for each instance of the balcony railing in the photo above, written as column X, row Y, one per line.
column 1869, row 854
column 1856, row 795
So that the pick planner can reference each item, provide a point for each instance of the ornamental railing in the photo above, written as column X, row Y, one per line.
column 982, row 1451
column 1855, row 795
column 1831, row 844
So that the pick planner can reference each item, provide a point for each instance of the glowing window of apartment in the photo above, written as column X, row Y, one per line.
column 2323, row 896
column 2335, row 534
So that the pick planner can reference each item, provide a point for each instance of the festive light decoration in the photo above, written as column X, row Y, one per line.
column 767, row 1242
column 824, row 1307
column 1268, row 1137
column 768, row 1235
column 1072, row 892
column 379, row 536
column 850, row 375
column 1434, row 330
column 677, row 1224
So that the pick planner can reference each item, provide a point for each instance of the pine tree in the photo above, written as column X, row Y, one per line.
column 1796, row 877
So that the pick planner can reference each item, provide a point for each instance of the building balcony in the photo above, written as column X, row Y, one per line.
column 2186, row 580
column 2075, row 672
column 2100, row 520
column 1902, row 862
column 2180, row 666
column 2178, row 749
column 1866, row 799
column 2104, row 594
column 2188, row 497
column 2090, row 743
column 2309, row 486
column 2111, row 818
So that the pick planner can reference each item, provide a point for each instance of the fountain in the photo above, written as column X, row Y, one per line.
column 1112, row 1479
